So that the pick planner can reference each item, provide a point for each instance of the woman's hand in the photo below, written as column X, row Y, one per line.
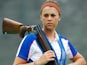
column 46, row 57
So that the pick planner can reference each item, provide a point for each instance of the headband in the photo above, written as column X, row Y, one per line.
column 52, row 4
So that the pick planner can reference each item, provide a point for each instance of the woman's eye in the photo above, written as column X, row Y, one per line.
column 46, row 15
column 53, row 15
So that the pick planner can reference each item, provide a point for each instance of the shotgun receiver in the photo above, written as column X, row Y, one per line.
column 13, row 27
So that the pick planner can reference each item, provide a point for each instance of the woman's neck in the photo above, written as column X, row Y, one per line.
column 50, row 34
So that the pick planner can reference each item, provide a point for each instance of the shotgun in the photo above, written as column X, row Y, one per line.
column 13, row 27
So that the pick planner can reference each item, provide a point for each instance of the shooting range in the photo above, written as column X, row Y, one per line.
column 73, row 24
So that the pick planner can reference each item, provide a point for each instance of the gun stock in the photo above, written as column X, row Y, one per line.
column 10, row 26
column 13, row 27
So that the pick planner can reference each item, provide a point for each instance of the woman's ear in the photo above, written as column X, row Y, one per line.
column 59, row 18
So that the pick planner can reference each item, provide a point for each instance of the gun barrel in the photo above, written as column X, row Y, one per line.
column 10, row 26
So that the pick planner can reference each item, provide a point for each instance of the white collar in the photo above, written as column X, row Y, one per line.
column 56, row 36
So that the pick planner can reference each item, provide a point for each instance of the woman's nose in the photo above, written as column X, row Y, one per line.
column 49, row 17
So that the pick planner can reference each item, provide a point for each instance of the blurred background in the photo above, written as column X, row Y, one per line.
column 73, row 24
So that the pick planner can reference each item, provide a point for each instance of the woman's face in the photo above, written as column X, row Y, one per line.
column 50, row 18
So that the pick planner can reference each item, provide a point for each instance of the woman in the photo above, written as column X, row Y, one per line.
column 30, row 53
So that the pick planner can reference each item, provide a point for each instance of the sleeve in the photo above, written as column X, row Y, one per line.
column 24, row 46
column 72, row 49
